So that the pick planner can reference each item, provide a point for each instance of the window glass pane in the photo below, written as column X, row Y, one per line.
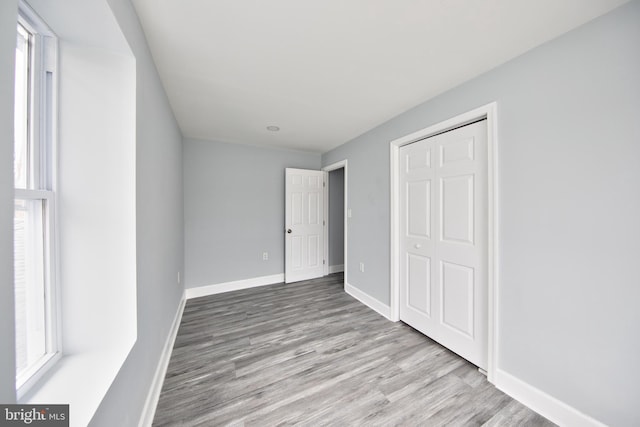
column 21, row 113
column 29, row 237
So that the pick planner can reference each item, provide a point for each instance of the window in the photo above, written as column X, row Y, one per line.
column 34, row 206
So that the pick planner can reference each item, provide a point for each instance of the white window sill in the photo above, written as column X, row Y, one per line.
column 78, row 380
column 33, row 375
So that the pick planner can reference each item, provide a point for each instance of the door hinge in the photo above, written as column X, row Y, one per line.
column 323, row 222
column 324, row 262
column 324, row 184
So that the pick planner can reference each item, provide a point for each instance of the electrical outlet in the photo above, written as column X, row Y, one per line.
column 178, row 277
column 265, row 256
column 362, row 267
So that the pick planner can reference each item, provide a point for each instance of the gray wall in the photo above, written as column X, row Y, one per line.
column 8, row 19
column 569, row 146
column 336, row 217
column 234, row 210
column 159, row 230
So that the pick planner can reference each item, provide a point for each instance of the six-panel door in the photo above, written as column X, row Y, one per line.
column 304, row 247
column 443, row 239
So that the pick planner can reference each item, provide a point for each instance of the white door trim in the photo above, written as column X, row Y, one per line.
column 489, row 112
column 326, row 170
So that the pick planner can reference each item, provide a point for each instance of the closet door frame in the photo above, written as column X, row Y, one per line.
column 488, row 112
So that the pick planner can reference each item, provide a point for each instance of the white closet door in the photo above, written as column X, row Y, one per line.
column 443, row 239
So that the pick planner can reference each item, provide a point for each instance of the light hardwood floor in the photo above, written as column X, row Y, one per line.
column 309, row 354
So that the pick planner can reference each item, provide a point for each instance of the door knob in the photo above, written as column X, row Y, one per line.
column 289, row 230
column 418, row 245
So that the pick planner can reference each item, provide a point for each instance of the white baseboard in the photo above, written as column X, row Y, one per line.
column 548, row 406
column 339, row 268
column 151, row 403
column 368, row 300
column 237, row 285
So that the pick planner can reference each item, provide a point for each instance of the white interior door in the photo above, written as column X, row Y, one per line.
column 443, row 239
column 304, row 223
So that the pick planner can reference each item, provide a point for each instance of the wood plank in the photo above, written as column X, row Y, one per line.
column 307, row 353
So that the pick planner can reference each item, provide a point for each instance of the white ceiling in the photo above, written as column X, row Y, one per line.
column 326, row 71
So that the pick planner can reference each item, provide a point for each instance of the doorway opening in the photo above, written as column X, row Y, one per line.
column 336, row 202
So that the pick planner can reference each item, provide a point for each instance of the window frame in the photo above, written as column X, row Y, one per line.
column 41, row 179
